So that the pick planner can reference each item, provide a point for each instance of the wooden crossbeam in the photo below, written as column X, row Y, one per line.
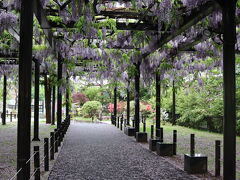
column 196, row 15
column 189, row 46
column 40, row 14
column 9, row 62
column 108, row 1
column 120, row 14
column 9, row 55
column 137, row 27
column 125, row 14
column 51, row 12
column 119, row 26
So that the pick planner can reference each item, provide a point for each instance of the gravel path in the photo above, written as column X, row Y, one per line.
column 100, row 151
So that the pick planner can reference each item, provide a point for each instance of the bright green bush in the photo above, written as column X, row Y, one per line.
column 91, row 109
column 193, row 118
column 198, row 107
column 200, row 110
column 92, row 93
column 96, row 93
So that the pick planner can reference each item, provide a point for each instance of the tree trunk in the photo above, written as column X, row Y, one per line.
column 47, row 90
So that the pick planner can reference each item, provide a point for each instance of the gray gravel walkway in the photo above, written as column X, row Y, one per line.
column 100, row 151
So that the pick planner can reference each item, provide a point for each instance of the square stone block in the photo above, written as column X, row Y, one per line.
column 196, row 164
column 153, row 143
column 129, row 131
column 164, row 149
column 141, row 137
column 125, row 129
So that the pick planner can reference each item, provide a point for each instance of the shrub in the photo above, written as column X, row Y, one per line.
column 146, row 109
column 193, row 118
column 91, row 109
column 92, row 93
column 132, row 107
column 111, row 107
column 120, row 107
column 79, row 98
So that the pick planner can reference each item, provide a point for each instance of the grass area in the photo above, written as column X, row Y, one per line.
column 8, row 142
column 83, row 119
column 8, row 125
column 204, row 142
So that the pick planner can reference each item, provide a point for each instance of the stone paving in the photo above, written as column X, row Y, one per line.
column 94, row 151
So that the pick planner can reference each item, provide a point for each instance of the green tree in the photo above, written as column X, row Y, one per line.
column 91, row 109
column 92, row 92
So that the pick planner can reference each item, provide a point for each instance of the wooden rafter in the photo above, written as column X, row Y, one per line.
column 189, row 46
column 40, row 14
column 136, row 26
column 9, row 61
column 124, row 14
column 9, row 55
column 196, row 15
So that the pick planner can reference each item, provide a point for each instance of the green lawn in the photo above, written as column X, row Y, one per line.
column 83, row 119
column 205, row 142
column 8, row 142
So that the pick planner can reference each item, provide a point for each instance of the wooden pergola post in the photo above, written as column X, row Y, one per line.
column 128, row 103
column 67, row 98
column 4, row 99
column 158, row 104
column 53, row 104
column 59, row 94
column 115, row 105
column 137, row 97
column 36, row 102
column 229, row 79
column 24, row 99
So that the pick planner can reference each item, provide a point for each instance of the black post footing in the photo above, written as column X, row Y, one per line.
column 141, row 137
column 196, row 164
column 164, row 149
column 129, row 131
column 153, row 143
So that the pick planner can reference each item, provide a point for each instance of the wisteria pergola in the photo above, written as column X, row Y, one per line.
column 154, row 18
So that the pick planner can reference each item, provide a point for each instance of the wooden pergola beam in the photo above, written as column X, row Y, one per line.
column 189, row 46
column 9, row 62
column 187, row 21
column 40, row 14
column 106, row 1
column 12, row 55
column 119, row 26
column 136, row 26
column 124, row 14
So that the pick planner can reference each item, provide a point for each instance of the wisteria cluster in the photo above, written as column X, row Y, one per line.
column 114, row 53
column 7, row 20
column 8, row 69
column 190, row 4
